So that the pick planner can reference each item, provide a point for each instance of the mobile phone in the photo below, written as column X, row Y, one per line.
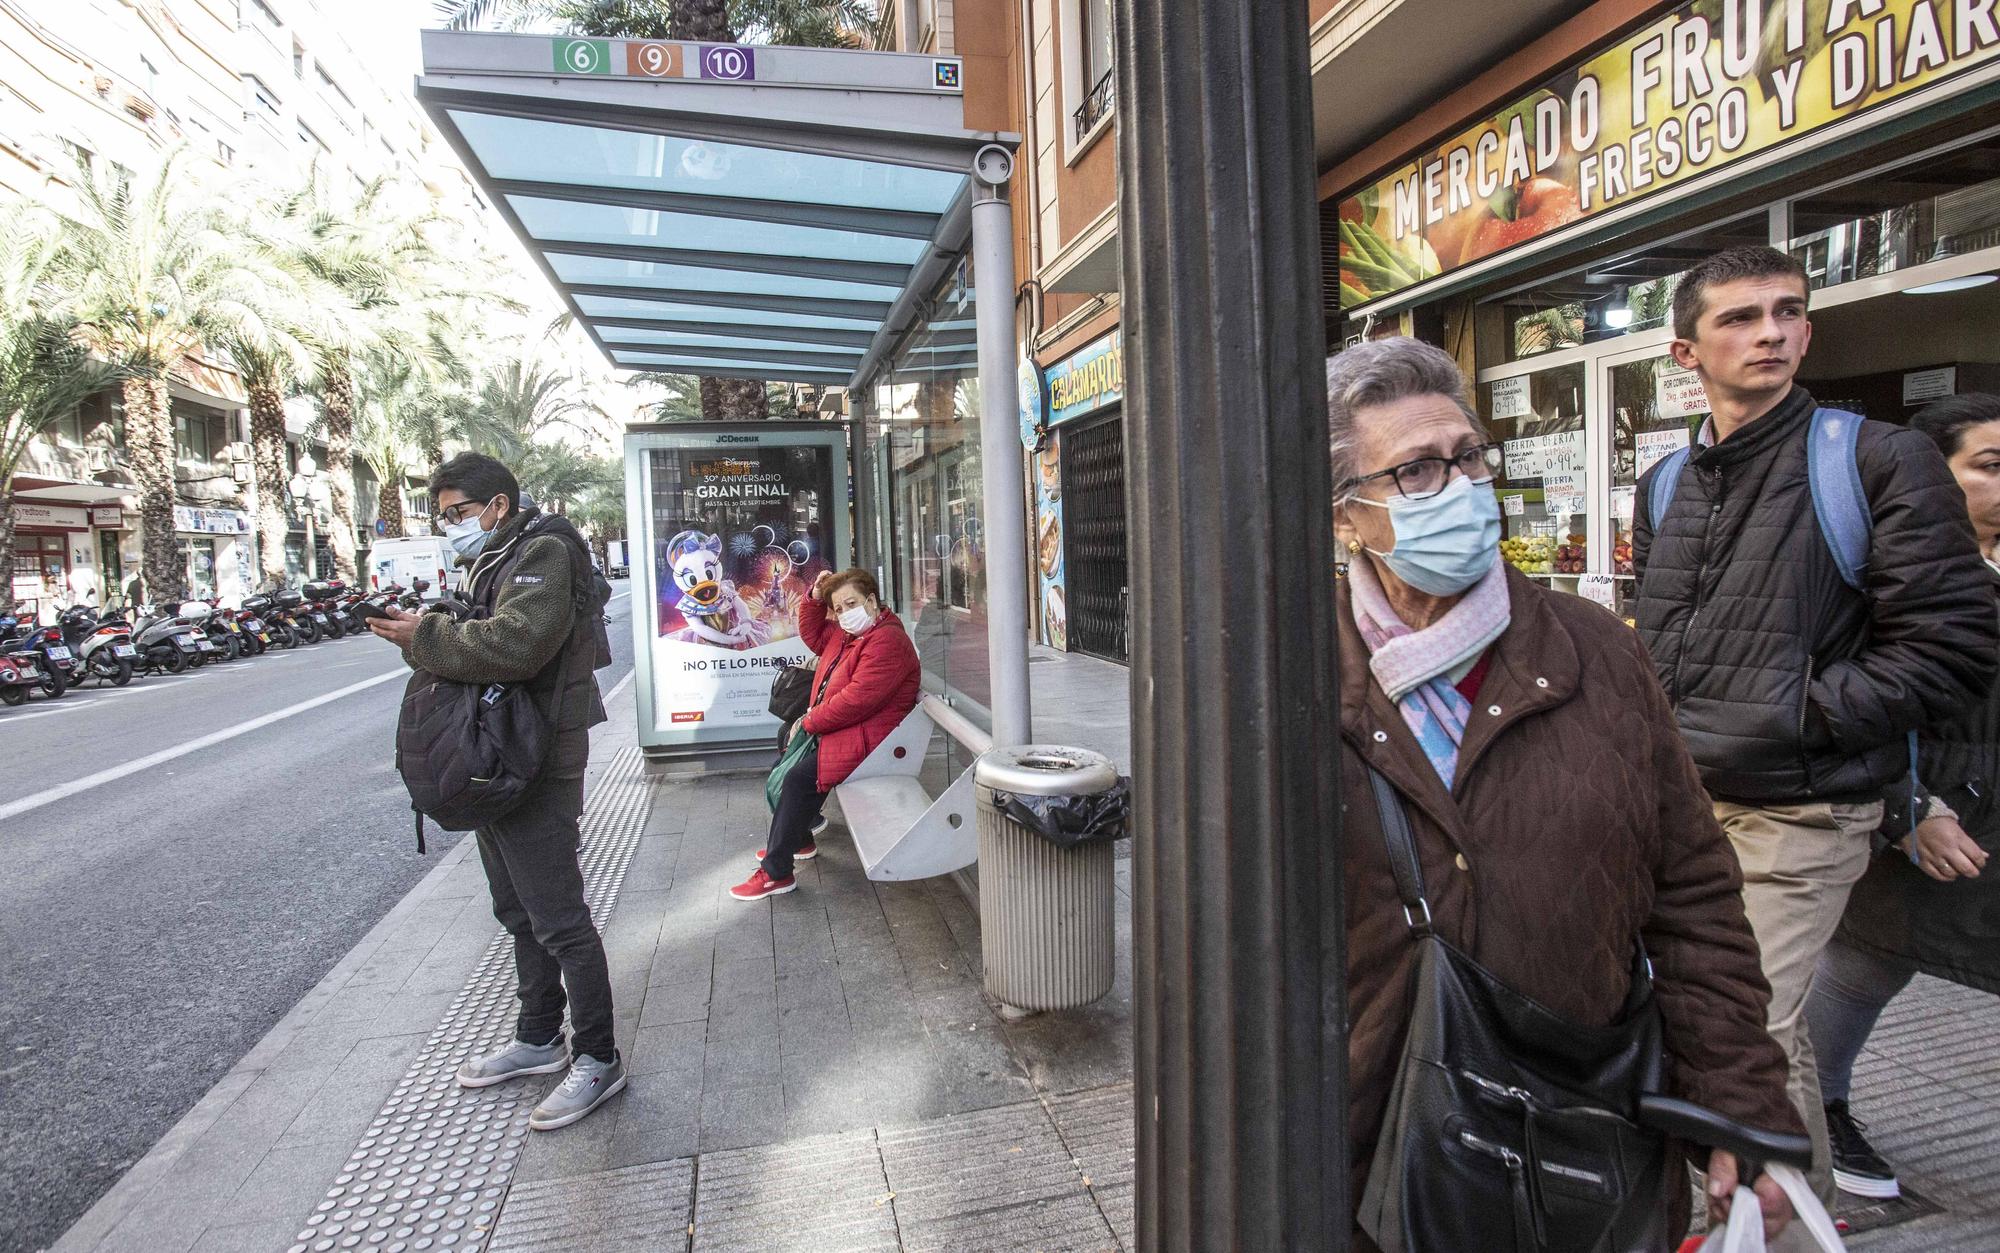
column 363, row 610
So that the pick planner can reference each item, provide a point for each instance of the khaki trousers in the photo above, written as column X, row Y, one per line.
column 1799, row 864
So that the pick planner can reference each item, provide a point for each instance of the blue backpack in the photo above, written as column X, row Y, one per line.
column 1840, row 506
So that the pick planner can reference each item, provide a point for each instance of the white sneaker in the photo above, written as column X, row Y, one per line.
column 589, row 1084
column 517, row 1059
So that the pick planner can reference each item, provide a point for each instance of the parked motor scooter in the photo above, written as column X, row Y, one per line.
column 326, row 596
column 17, row 679
column 168, row 642
column 104, row 647
column 45, row 647
column 219, row 625
column 262, row 617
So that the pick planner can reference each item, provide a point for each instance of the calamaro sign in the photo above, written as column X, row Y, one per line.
column 1713, row 82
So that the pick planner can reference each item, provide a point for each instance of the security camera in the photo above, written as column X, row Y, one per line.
column 993, row 165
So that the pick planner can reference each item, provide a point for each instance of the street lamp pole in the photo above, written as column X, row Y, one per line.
column 1239, row 939
column 302, row 485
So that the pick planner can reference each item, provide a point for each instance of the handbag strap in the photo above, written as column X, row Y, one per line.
column 1402, row 848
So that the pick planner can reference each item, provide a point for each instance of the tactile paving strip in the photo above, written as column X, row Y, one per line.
column 432, row 1169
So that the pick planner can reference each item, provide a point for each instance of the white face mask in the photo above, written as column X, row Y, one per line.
column 467, row 537
column 856, row 620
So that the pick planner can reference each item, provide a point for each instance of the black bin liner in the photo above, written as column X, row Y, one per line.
column 1071, row 821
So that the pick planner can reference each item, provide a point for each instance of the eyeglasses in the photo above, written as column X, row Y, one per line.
column 1425, row 477
column 452, row 515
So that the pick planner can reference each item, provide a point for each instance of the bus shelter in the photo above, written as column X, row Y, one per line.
column 786, row 214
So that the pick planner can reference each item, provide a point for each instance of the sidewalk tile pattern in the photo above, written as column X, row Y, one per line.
column 432, row 1168
column 638, row 1207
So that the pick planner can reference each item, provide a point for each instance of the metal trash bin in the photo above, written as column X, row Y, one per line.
column 1045, row 911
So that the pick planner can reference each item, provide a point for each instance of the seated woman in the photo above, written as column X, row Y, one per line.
column 866, row 683
column 1555, row 813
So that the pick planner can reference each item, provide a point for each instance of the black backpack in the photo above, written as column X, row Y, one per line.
column 469, row 752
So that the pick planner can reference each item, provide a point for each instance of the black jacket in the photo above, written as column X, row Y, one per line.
column 1789, row 685
column 1950, row 930
column 529, row 623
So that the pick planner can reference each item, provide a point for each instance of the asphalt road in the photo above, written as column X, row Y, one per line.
column 156, row 925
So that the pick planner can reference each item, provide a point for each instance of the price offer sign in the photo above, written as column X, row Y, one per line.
column 1597, row 587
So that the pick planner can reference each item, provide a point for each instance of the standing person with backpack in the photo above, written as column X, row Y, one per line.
column 1925, row 903
column 533, row 619
column 1811, row 593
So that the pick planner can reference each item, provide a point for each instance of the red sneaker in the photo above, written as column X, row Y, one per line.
column 807, row 853
column 760, row 885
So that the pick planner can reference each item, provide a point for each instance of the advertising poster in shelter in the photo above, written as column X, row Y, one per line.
column 738, row 533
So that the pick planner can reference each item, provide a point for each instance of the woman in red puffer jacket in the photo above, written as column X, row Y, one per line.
column 865, row 683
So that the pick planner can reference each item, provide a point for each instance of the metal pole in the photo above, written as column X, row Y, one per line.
column 1001, row 477
column 1239, row 941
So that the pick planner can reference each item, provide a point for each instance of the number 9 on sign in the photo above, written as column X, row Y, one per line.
column 652, row 60
column 727, row 61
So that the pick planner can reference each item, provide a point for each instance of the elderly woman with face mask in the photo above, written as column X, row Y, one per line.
column 866, row 682
column 1558, row 824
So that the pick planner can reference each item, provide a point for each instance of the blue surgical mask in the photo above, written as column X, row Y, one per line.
column 467, row 537
column 1444, row 543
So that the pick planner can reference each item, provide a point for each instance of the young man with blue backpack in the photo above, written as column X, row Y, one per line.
column 1811, row 593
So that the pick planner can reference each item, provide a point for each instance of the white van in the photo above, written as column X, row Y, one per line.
column 426, row 557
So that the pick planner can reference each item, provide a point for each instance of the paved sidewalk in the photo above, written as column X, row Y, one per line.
column 817, row 1071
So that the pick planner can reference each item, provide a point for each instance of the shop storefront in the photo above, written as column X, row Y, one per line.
column 54, row 561
column 1542, row 245
column 216, row 552
column 1079, row 486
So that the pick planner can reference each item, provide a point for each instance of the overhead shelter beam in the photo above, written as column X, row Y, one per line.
column 879, row 273
column 738, row 330
column 842, row 361
column 825, row 306
column 899, row 223
column 825, row 378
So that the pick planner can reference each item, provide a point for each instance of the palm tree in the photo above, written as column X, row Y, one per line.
column 558, row 475
column 155, row 273
column 45, row 371
column 799, row 23
column 382, row 260
column 682, row 401
column 518, row 401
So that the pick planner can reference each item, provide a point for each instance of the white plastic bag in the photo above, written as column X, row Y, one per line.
column 1745, row 1230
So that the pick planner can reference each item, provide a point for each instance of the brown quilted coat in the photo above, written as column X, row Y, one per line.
column 1576, row 821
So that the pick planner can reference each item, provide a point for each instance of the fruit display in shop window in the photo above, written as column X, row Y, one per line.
column 1530, row 554
column 1572, row 559
column 1621, row 557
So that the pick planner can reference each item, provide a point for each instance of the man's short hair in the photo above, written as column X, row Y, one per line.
column 1759, row 261
column 858, row 579
column 479, row 476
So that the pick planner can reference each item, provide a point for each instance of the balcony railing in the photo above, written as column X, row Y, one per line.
column 1096, row 106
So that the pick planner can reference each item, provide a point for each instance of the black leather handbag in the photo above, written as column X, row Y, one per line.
column 1510, row 1128
column 790, row 693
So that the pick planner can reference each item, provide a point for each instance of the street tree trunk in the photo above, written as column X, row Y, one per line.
column 338, row 397
column 700, row 19
column 722, row 400
column 7, row 544
column 389, row 506
column 149, row 435
column 267, row 451
column 733, row 400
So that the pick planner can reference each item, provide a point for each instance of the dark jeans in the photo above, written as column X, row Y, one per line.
column 1850, row 989
column 537, row 885
column 799, row 803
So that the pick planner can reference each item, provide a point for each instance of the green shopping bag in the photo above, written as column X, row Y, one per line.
column 802, row 743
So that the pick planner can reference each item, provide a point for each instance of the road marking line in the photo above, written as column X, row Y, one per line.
column 50, row 796
column 620, row 685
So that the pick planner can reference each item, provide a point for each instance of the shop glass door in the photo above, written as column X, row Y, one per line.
column 1656, row 409
column 1545, row 485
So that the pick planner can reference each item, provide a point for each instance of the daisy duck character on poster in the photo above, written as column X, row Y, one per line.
column 714, row 612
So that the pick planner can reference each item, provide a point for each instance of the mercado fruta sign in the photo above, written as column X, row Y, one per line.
column 1710, row 83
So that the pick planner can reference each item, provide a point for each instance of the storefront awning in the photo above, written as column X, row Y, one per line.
column 752, row 212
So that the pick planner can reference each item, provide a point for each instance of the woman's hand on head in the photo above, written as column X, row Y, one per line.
column 819, row 586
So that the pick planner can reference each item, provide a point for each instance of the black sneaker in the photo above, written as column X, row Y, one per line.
column 1857, row 1167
